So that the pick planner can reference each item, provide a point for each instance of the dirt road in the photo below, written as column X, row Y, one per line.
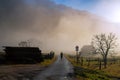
column 60, row 70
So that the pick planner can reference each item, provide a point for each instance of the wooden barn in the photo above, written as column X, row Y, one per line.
column 23, row 54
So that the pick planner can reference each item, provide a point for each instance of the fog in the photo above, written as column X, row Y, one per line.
column 48, row 25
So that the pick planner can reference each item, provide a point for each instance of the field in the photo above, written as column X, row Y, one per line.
column 91, row 70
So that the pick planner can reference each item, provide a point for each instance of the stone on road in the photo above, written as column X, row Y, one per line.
column 60, row 70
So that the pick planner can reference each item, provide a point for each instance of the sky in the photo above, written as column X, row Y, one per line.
column 78, row 4
column 109, row 9
column 57, row 25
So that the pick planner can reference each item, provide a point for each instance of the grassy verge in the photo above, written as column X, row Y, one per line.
column 113, row 70
column 88, row 73
column 47, row 62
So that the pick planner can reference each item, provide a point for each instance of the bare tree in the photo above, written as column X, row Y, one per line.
column 24, row 44
column 104, row 44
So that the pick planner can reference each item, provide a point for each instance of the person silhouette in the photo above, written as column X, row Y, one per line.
column 61, row 55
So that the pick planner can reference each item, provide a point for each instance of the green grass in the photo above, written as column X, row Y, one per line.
column 88, row 74
column 92, row 72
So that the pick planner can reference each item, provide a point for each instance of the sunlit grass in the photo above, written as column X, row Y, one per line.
column 113, row 70
column 92, row 71
column 47, row 62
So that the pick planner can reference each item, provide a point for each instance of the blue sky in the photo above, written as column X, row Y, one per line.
column 78, row 4
column 108, row 9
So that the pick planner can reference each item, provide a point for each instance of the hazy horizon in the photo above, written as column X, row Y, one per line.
column 54, row 25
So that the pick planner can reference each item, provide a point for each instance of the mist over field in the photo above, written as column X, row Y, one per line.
column 49, row 26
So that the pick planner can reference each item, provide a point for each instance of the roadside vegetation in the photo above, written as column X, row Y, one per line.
column 89, row 70
column 97, row 61
column 48, row 62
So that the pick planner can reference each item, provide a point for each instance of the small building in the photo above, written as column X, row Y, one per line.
column 23, row 54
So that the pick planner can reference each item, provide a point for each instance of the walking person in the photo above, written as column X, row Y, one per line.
column 61, row 55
